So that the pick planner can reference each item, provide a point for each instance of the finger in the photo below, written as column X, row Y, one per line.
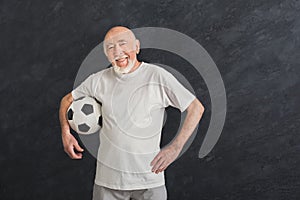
column 74, row 155
column 157, row 164
column 78, row 148
column 77, row 156
column 160, row 167
column 164, row 168
column 156, row 158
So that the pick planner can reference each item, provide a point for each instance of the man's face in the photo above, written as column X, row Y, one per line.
column 121, row 48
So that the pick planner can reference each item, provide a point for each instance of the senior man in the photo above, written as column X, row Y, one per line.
column 134, row 95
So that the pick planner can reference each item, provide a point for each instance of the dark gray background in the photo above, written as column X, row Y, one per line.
column 255, row 45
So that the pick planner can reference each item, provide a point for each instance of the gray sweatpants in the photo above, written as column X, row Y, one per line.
column 104, row 193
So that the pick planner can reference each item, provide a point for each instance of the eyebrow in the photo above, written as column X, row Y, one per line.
column 110, row 43
column 122, row 40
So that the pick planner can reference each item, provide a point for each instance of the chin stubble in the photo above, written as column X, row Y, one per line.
column 124, row 70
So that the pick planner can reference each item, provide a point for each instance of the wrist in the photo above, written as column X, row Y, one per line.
column 65, row 129
column 177, row 145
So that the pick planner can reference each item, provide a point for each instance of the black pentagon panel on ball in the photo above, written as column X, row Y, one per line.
column 83, row 127
column 70, row 114
column 100, row 121
column 87, row 109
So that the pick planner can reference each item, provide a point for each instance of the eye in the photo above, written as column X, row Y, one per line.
column 122, row 43
column 109, row 47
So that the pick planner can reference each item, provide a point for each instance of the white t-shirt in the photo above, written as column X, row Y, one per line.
column 133, row 107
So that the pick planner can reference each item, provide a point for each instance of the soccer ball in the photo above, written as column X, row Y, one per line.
column 84, row 115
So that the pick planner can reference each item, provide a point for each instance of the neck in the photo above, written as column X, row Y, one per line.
column 136, row 65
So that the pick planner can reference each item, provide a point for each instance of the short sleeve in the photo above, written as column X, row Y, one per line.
column 175, row 94
column 86, row 88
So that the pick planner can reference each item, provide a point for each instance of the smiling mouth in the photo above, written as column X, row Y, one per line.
column 121, row 59
column 122, row 62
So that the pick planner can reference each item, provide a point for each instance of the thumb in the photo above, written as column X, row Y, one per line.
column 78, row 148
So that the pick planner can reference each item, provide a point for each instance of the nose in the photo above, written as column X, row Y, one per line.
column 118, row 50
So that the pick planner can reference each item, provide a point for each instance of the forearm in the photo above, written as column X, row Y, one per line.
column 64, row 105
column 194, row 114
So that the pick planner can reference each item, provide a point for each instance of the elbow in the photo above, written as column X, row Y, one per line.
column 67, row 98
column 200, row 107
column 197, row 107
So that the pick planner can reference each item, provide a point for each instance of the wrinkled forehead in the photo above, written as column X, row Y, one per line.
column 114, row 37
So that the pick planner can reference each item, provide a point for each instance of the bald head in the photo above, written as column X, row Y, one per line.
column 121, row 48
column 117, row 30
column 120, row 34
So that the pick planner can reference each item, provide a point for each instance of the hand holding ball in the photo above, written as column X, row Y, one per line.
column 84, row 115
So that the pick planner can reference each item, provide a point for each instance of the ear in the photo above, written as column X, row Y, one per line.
column 137, row 46
column 104, row 48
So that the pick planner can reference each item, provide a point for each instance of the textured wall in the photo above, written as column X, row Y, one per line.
column 255, row 45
